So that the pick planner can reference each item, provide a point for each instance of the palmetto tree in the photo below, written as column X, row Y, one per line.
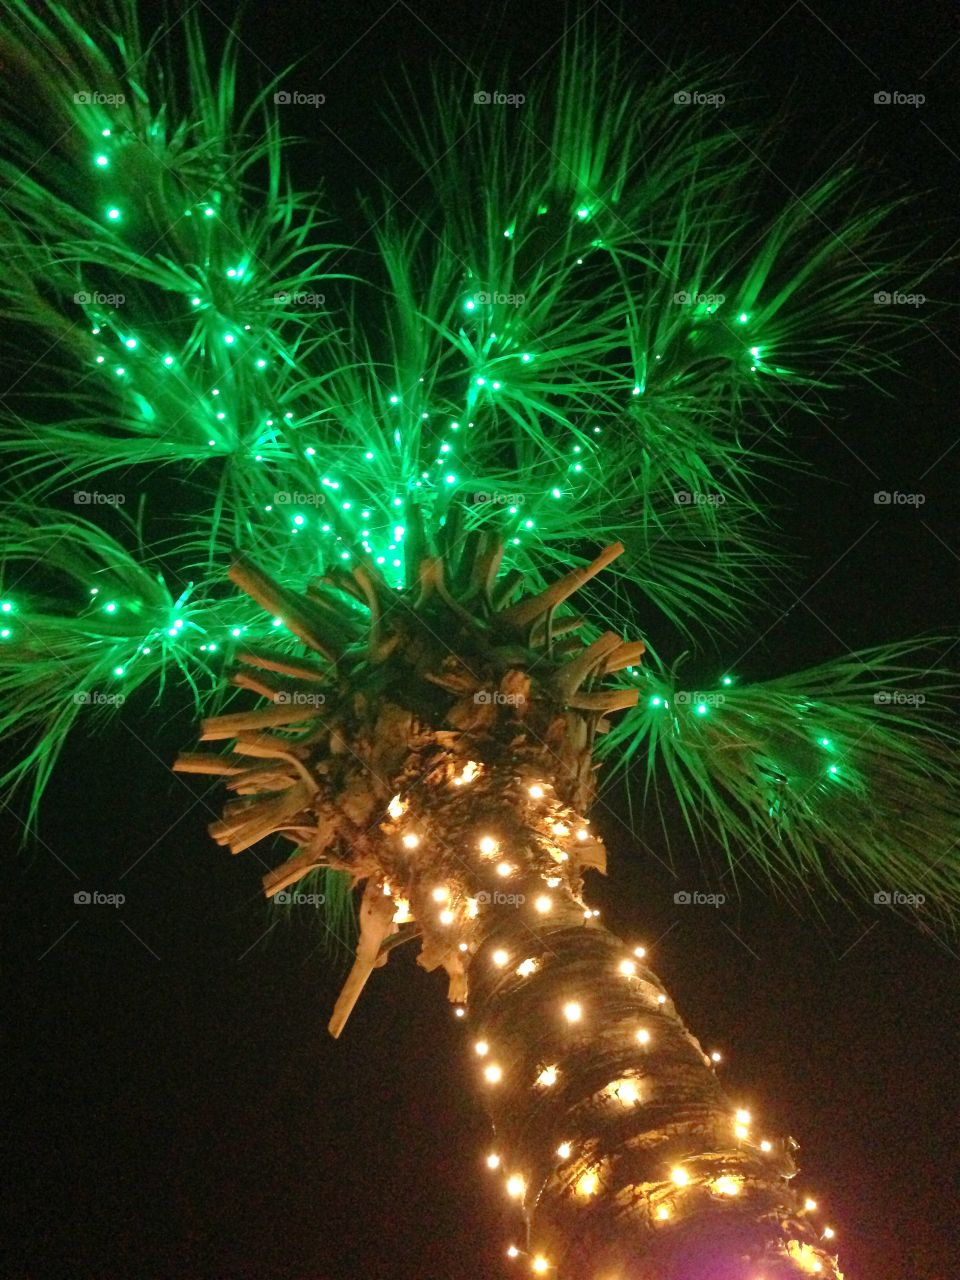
column 414, row 458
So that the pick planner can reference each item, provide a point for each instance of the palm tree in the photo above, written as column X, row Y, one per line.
column 597, row 349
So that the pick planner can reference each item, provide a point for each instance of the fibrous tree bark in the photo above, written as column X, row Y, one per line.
column 440, row 751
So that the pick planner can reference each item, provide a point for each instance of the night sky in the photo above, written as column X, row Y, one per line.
column 176, row 1108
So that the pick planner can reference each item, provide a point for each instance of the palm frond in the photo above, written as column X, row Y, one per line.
column 165, row 294
column 86, row 623
column 844, row 772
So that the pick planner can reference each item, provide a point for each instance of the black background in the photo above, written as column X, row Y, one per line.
column 176, row 1108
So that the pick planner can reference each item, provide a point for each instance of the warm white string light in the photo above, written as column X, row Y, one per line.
column 626, row 1091
column 396, row 808
column 410, row 840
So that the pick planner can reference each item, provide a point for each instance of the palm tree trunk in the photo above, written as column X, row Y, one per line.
column 613, row 1135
